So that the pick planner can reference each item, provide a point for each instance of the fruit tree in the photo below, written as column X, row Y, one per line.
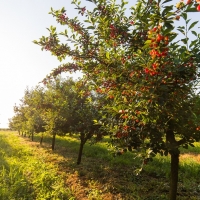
column 145, row 62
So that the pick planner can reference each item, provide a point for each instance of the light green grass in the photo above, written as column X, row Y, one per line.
column 24, row 175
column 98, row 167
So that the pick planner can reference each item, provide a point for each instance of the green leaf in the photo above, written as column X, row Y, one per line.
column 90, row 27
column 166, row 1
column 167, row 9
column 173, row 36
column 193, row 43
column 184, row 15
column 193, row 9
column 35, row 41
column 192, row 25
column 181, row 30
column 187, row 21
column 194, row 33
column 169, row 25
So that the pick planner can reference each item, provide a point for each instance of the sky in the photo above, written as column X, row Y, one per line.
column 22, row 63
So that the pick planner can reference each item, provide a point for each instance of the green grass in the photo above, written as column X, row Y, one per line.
column 24, row 175
column 31, row 171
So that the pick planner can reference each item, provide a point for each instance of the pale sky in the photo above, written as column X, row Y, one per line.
column 22, row 63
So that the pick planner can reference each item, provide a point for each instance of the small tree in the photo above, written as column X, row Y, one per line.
column 73, row 111
column 54, row 106
column 83, row 111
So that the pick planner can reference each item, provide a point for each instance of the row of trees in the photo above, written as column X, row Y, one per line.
column 147, row 75
column 62, row 106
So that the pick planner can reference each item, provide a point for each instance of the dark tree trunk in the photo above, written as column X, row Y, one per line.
column 80, row 152
column 41, row 139
column 174, row 152
column 22, row 133
column 19, row 132
column 174, row 174
column 53, row 142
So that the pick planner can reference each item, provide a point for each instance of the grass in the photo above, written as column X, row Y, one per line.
column 30, row 171
column 24, row 173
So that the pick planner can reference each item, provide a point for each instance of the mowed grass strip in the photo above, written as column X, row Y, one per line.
column 24, row 174
column 100, row 175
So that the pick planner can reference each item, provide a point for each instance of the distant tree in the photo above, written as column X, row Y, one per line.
column 55, row 107
column 31, row 100
column 71, row 108
column 27, row 118
column 83, row 111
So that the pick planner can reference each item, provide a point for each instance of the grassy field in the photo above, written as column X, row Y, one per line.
column 33, row 172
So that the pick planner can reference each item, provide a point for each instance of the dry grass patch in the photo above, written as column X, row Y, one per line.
column 194, row 157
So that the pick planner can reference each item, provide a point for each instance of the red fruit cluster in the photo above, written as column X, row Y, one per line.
column 151, row 72
column 181, row 5
column 82, row 11
column 62, row 18
column 159, row 49
column 49, row 44
column 113, row 31
column 121, row 134
column 119, row 33
column 158, row 43
column 102, row 10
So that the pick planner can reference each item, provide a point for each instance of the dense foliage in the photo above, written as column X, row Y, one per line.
column 62, row 106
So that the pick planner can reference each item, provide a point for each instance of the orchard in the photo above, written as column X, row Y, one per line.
column 146, row 66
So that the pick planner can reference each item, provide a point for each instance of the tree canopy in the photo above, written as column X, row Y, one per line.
column 140, row 62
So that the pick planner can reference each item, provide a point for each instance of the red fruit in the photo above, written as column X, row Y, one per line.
column 154, row 29
column 189, row 1
column 159, row 38
column 198, row 7
column 166, row 38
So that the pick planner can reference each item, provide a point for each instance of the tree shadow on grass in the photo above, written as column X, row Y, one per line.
column 189, row 173
column 102, row 176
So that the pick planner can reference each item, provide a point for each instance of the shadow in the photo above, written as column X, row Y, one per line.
column 101, row 174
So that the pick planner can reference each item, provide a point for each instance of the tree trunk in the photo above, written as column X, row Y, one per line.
column 174, row 174
column 41, row 139
column 174, row 152
column 80, row 152
column 53, row 142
